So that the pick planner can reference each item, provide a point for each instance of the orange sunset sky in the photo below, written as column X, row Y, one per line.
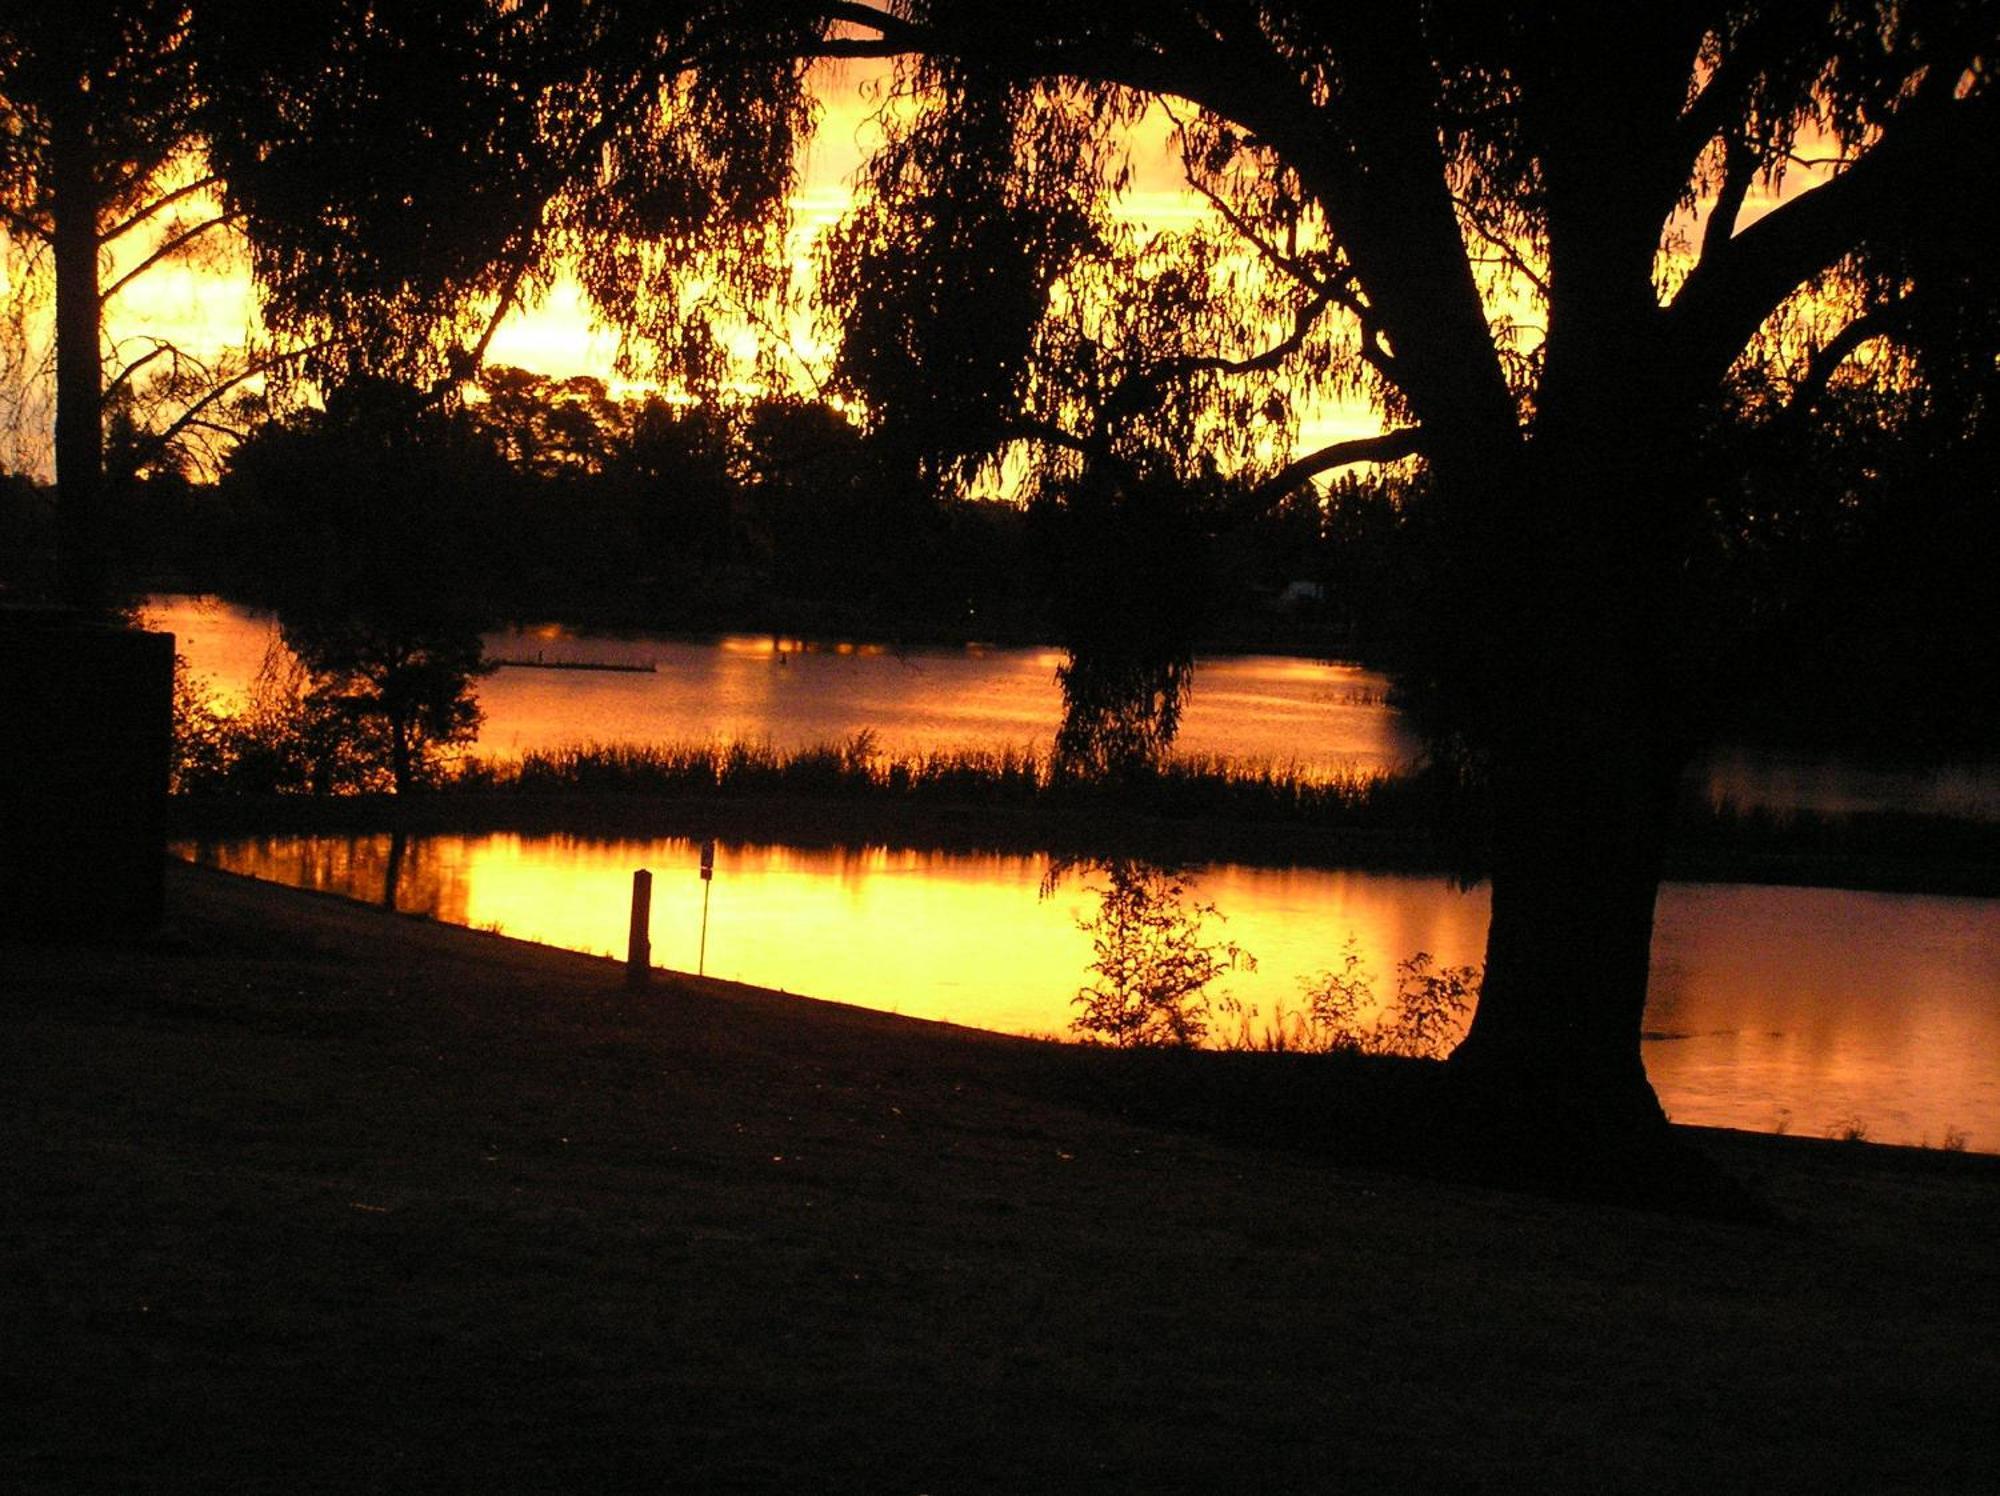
column 206, row 306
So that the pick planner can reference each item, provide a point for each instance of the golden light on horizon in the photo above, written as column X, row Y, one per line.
column 205, row 306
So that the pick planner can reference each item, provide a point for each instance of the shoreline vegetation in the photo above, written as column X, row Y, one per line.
column 1189, row 811
column 305, row 1186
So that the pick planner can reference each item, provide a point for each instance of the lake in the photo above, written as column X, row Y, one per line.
column 1319, row 718
column 1315, row 717
column 1771, row 1009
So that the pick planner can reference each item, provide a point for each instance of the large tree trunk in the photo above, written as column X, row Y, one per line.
column 1580, row 820
column 81, row 573
column 1585, row 708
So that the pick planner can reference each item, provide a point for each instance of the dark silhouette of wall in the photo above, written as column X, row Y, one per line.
column 86, row 721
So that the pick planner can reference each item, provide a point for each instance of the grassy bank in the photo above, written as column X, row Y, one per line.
column 1191, row 810
column 304, row 1194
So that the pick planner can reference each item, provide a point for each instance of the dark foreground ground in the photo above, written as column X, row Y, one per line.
column 302, row 1195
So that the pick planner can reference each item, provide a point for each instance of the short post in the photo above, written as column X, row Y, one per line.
column 707, row 879
column 639, row 948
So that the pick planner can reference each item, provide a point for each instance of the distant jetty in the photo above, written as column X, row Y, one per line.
column 651, row 667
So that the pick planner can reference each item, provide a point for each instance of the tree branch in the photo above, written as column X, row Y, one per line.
column 1509, row 255
column 1023, row 428
column 1739, row 174
column 157, row 206
column 1758, row 48
column 1389, row 446
column 166, row 251
column 1886, row 321
column 1137, row 388
column 157, row 442
column 1290, row 264
column 125, row 375
column 1728, row 295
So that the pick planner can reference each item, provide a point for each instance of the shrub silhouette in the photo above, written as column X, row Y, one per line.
column 1152, row 966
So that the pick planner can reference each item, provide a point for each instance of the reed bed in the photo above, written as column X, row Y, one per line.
column 1010, row 778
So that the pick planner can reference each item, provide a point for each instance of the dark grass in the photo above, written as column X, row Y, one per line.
column 306, row 1195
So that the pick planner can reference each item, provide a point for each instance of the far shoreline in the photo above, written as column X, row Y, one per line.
column 1888, row 855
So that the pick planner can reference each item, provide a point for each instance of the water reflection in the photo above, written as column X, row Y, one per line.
column 1821, row 1007
column 1769, row 1007
column 1324, row 718
column 1319, row 718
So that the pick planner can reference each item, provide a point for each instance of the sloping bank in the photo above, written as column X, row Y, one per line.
column 303, row 1192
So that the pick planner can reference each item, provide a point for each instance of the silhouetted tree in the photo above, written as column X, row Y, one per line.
column 1542, row 237
column 103, row 149
column 371, row 548
column 1151, row 968
column 403, row 689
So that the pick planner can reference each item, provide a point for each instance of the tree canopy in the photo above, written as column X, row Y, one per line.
column 1572, row 253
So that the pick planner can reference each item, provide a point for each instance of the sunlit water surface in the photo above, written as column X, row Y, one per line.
column 1812, row 1010
column 1316, row 717
column 1313, row 717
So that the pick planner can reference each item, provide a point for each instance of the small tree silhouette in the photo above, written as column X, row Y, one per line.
column 1423, row 1021
column 1153, row 969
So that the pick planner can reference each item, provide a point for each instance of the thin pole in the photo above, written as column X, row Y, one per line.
column 701, row 956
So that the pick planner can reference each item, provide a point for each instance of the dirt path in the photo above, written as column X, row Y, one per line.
column 304, row 1194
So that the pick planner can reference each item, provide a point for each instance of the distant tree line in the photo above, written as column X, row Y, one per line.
column 538, row 499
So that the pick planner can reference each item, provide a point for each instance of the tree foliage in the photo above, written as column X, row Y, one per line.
column 1151, row 963
column 1569, row 251
column 413, row 172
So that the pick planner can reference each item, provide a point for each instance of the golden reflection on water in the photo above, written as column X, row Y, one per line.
column 1813, row 1008
column 966, row 938
column 1770, row 1008
column 1317, row 718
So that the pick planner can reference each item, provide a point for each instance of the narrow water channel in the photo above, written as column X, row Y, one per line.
column 1771, row 1009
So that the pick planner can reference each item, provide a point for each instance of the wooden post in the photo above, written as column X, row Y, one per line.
column 707, row 881
column 639, row 949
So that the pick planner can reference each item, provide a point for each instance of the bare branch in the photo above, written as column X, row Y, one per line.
column 166, row 251
column 157, row 442
column 161, row 349
column 1389, row 446
column 157, row 206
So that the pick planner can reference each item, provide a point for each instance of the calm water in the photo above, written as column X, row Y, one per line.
column 1321, row 718
column 1316, row 717
column 1770, row 1009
